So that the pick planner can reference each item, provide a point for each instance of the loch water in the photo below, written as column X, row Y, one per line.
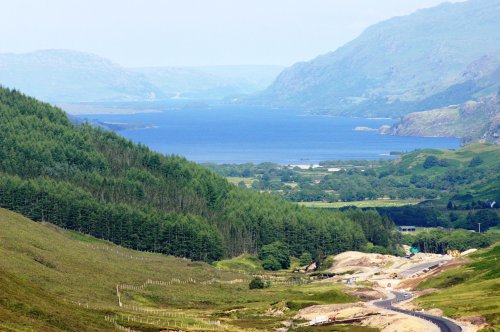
column 239, row 135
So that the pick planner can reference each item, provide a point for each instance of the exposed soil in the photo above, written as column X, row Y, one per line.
column 371, row 277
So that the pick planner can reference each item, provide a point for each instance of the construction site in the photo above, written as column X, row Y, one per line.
column 374, row 278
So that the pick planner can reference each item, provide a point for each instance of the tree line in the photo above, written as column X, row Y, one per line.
column 94, row 181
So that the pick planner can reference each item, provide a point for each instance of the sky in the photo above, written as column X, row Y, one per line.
column 138, row 33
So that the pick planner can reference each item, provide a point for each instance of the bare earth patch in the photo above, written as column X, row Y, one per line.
column 385, row 320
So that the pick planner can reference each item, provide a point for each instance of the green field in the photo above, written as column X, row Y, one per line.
column 407, row 180
column 60, row 280
column 362, row 204
column 236, row 180
column 470, row 290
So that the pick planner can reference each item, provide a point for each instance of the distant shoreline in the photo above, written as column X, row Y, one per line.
column 83, row 110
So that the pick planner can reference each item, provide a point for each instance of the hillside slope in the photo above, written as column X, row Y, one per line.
column 82, row 268
column 469, row 291
column 24, row 307
column 60, row 280
column 94, row 181
column 399, row 65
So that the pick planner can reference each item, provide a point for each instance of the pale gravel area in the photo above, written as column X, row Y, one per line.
column 389, row 321
column 466, row 326
column 385, row 320
column 376, row 269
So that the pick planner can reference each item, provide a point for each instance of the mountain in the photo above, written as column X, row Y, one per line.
column 472, row 121
column 91, row 180
column 396, row 66
column 64, row 76
column 211, row 82
column 70, row 76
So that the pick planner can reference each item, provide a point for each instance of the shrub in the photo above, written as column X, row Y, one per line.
column 305, row 258
column 444, row 163
column 431, row 161
column 256, row 283
column 475, row 161
column 326, row 264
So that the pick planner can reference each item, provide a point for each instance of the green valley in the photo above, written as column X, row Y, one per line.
column 93, row 181
column 60, row 280
column 195, row 166
column 448, row 188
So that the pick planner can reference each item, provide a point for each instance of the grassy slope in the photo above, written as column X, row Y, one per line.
column 50, row 268
column 487, row 188
column 470, row 290
column 245, row 262
column 25, row 307
column 66, row 263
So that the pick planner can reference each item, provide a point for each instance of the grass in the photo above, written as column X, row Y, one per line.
column 470, row 290
column 362, row 204
column 245, row 262
column 236, row 180
column 26, row 307
column 50, row 270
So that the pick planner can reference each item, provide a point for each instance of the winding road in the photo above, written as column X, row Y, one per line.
column 444, row 324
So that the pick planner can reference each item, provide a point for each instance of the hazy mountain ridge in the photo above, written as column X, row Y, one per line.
column 210, row 82
column 393, row 65
column 64, row 76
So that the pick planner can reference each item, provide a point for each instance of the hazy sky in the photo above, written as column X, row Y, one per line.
column 193, row 32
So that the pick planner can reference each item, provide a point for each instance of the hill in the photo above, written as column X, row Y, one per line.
column 69, row 76
column 94, row 181
column 470, row 291
column 410, row 63
column 58, row 280
column 472, row 121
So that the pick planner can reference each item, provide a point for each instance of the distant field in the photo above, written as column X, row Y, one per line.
column 236, row 180
column 361, row 204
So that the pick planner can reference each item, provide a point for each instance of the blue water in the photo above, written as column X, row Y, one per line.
column 239, row 135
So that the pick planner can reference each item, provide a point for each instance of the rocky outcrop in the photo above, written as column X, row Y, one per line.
column 473, row 121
